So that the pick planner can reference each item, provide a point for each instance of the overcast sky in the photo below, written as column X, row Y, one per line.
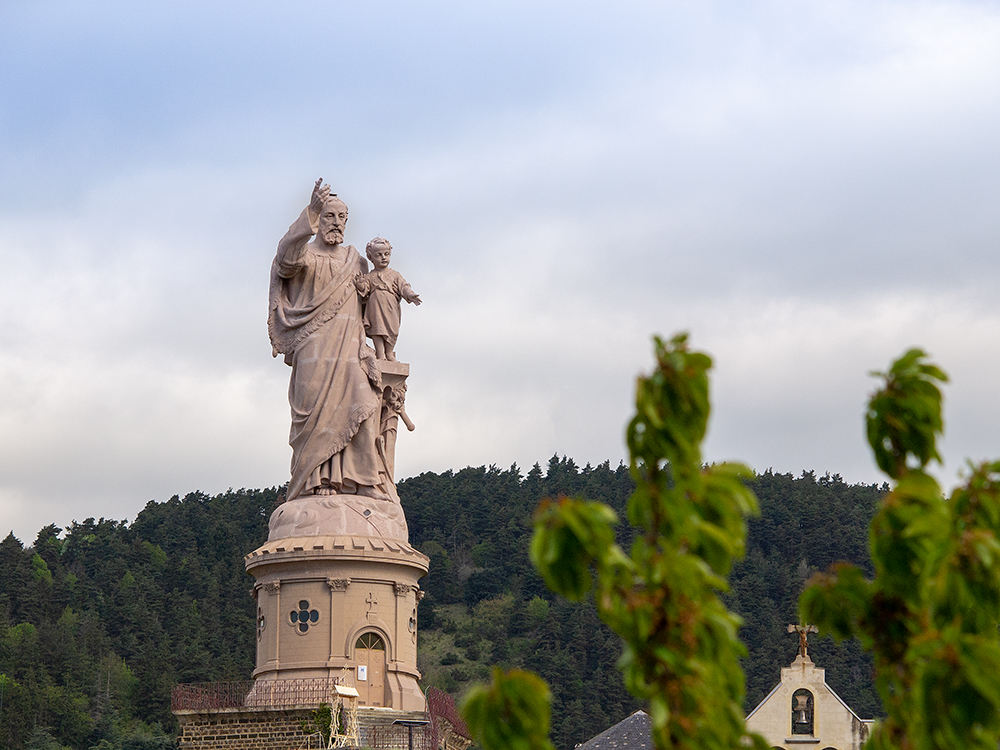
column 808, row 188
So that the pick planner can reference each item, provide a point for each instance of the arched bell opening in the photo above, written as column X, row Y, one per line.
column 803, row 719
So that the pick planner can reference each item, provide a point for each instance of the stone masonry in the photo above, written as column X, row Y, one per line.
column 240, row 729
column 281, row 729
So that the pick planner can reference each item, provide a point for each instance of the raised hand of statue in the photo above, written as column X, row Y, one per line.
column 319, row 195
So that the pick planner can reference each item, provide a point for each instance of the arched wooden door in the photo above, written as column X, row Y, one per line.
column 369, row 653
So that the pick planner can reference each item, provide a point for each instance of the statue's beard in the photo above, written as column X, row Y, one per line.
column 333, row 236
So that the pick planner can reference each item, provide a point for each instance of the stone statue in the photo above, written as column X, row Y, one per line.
column 393, row 410
column 339, row 541
column 382, row 290
column 315, row 321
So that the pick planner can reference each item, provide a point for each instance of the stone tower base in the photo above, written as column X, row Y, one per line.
column 341, row 607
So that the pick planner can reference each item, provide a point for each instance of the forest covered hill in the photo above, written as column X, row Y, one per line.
column 98, row 621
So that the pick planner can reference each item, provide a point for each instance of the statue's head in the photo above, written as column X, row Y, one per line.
column 379, row 251
column 396, row 397
column 333, row 220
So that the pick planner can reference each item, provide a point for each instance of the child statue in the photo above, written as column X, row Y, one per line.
column 383, row 288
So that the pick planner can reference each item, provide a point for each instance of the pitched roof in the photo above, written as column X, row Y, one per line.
column 632, row 733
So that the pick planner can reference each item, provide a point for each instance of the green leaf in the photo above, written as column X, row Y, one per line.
column 512, row 713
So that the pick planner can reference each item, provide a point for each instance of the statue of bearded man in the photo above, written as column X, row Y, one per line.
column 315, row 321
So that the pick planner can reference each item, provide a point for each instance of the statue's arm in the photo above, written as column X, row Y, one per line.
column 292, row 247
column 407, row 293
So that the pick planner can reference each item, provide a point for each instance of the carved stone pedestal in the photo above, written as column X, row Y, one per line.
column 340, row 606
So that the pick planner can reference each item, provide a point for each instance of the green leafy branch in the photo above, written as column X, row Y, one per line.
column 930, row 615
column 320, row 722
column 681, row 649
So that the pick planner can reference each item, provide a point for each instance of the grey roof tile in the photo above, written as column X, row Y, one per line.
column 632, row 733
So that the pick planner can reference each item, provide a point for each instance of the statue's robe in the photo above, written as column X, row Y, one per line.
column 315, row 320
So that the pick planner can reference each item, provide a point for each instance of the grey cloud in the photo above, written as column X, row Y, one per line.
column 808, row 189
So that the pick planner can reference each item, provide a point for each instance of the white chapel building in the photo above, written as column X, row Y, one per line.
column 804, row 713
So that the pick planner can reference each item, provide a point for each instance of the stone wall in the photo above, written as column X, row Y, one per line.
column 281, row 729
column 236, row 729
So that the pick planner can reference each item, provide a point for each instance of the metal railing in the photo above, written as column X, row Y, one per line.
column 395, row 737
column 254, row 695
column 441, row 705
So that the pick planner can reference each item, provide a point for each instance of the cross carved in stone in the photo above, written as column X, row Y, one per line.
column 372, row 602
column 803, row 631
